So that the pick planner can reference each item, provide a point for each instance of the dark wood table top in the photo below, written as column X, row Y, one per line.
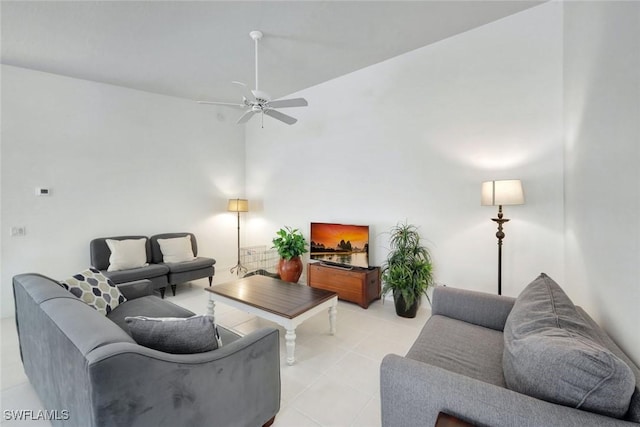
column 446, row 420
column 273, row 295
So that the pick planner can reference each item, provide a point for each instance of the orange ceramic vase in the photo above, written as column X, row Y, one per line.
column 291, row 270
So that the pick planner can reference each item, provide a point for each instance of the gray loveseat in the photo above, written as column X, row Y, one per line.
column 456, row 367
column 83, row 362
column 159, row 273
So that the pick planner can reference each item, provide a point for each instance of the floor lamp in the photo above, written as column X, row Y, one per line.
column 238, row 205
column 498, row 193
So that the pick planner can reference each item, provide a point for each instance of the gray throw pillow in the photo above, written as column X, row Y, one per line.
column 551, row 353
column 176, row 335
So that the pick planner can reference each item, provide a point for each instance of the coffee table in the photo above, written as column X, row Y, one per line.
column 446, row 420
column 287, row 304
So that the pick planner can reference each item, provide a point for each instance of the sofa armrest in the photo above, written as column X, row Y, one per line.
column 237, row 384
column 412, row 393
column 136, row 289
column 479, row 308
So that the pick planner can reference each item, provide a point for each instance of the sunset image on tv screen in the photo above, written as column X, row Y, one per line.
column 340, row 243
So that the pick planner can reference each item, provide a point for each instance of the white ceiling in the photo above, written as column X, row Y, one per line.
column 194, row 49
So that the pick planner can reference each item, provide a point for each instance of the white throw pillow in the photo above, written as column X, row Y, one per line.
column 126, row 254
column 177, row 249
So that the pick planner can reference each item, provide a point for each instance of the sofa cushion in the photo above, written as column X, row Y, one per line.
column 177, row 249
column 126, row 254
column 148, row 306
column 177, row 335
column 195, row 264
column 461, row 347
column 148, row 272
column 551, row 353
column 96, row 290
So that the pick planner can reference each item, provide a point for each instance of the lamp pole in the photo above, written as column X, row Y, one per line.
column 238, row 268
column 498, row 193
column 238, row 205
column 500, row 235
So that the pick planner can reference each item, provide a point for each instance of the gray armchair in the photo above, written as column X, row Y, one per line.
column 157, row 271
column 182, row 272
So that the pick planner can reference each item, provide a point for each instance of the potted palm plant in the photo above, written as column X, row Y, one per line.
column 290, row 245
column 407, row 271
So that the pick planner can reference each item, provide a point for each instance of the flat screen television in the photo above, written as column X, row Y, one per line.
column 340, row 244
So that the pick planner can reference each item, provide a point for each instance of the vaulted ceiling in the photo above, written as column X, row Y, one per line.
column 194, row 49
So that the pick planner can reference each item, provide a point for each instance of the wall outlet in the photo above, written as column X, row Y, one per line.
column 18, row 231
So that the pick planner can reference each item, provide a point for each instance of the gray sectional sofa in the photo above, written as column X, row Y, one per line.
column 462, row 360
column 160, row 274
column 86, row 363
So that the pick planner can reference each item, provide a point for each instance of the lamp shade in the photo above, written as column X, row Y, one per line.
column 238, row 205
column 504, row 192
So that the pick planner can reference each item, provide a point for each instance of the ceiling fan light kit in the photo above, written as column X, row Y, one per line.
column 256, row 101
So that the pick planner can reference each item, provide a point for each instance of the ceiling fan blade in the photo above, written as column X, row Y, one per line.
column 284, row 103
column 246, row 92
column 225, row 104
column 245, row 117
column 280, row 116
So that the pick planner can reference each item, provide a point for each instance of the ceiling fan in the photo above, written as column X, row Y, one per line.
column 256, row 101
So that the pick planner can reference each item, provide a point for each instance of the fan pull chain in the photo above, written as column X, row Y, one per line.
column 262, row 119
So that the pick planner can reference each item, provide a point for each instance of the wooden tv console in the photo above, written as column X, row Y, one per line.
column 358, row 285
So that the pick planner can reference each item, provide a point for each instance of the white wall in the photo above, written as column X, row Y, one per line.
column 413, row 138
column 119, row 162
column 602, row 203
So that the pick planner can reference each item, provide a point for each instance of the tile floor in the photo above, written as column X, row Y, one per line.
column 335, row 381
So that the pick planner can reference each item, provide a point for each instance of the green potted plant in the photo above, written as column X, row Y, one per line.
column 407, row 271
column 290, row 245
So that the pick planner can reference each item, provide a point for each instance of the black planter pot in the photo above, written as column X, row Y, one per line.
column 402, row 310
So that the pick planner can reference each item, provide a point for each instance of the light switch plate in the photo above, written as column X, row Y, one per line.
column 17, row 231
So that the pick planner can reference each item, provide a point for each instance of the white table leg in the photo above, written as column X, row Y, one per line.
column 333, row 311
column 290, row 338
column 211, row 308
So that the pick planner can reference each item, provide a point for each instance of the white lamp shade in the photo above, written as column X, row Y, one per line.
column 504, row 192
column 238, row 205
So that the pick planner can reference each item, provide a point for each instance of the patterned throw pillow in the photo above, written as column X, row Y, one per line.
column 95, row 289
